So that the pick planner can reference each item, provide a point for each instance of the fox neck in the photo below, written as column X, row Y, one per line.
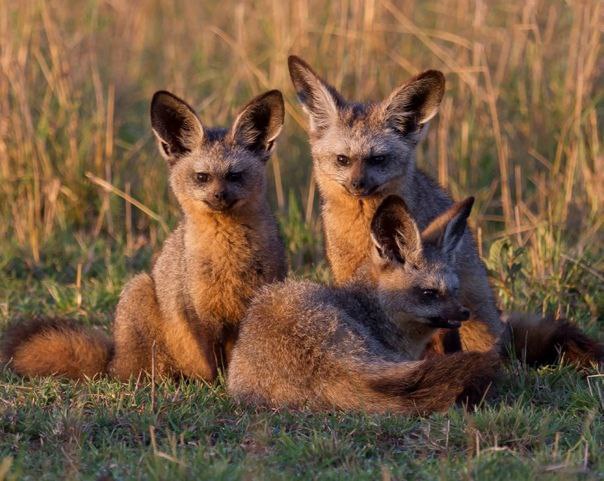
column 407, row 335
column 415, row 339
column 347, row 219
column 403, row 333
column 212, row 225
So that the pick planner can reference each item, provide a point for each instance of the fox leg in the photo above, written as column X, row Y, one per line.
column 135, row 329
column 145, row 339
column 484, row 328
column 192, row 351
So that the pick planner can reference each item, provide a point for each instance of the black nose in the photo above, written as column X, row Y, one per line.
column 220, row 195
column 464, row 314
column 358, row 184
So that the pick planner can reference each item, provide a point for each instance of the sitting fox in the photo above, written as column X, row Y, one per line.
column 363, row 152
column 183, row 318
column 356, row 346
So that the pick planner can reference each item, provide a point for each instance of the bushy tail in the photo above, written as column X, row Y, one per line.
column 53, row 346
column 542, row 340
column 431, row 385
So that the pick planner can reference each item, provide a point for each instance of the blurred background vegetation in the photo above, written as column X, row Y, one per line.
column 520, row 125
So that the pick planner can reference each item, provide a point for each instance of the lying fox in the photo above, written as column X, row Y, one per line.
column 184, row 316
column 356, row 346
column 363, row 152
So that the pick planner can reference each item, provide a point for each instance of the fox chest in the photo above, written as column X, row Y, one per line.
column 225, row 277
column 347, row 240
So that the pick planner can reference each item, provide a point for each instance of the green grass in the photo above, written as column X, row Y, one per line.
column 546, row 424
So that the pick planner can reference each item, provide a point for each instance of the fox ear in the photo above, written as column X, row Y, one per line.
column 394, row 232
column 260, row 123
column 413, row 104
column 320, row 100
column 176, row 126
column 447, row 230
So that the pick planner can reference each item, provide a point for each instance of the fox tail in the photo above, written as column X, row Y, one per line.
column 422, row 387
column 55, row 347
column 544, row 340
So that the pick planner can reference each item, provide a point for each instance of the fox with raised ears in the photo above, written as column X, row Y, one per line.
column 356, row 346
column 363, row 152
column 182, row 318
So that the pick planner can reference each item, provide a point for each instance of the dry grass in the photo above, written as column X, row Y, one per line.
column 519, row 125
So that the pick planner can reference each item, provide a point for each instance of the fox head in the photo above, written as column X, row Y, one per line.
column 417, row 282
column 217, row 170
column 366, row 149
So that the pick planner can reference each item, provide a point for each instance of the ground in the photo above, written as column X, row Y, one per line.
column 536, row 424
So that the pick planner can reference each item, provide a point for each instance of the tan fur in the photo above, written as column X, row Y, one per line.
column 183, row 318
column 356, row 346
column 48, row 346
column 391, row 128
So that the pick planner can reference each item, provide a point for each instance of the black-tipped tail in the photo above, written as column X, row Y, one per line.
column 543, row 341
column 437, row 383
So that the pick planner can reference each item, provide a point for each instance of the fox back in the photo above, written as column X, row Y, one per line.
column 356, row 346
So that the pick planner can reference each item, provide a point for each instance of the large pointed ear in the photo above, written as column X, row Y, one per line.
column 413, row 104
column 447, row 230
column 320, row 100
column 175, row 125
column 260, row 123
column 394, row 232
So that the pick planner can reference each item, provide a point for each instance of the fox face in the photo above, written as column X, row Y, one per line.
column 416, row 279
column 217, row 170
column 366, row 149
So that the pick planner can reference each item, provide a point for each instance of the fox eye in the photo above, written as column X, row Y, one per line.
column 343, row 160
column 202, row 177
column 377, row 159
column 429, row 294
column 234, row 176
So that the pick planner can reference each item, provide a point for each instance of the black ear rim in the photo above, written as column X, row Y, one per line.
column 164, row 105
column 158, row 95
column 293, row 61
column 385, row 213
column 274, row 102
column 295, row 66
column 466, row 206
column 437, row 81
column 464, row 209
column 433, row 74
column 280, row 102
column 432, row 91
